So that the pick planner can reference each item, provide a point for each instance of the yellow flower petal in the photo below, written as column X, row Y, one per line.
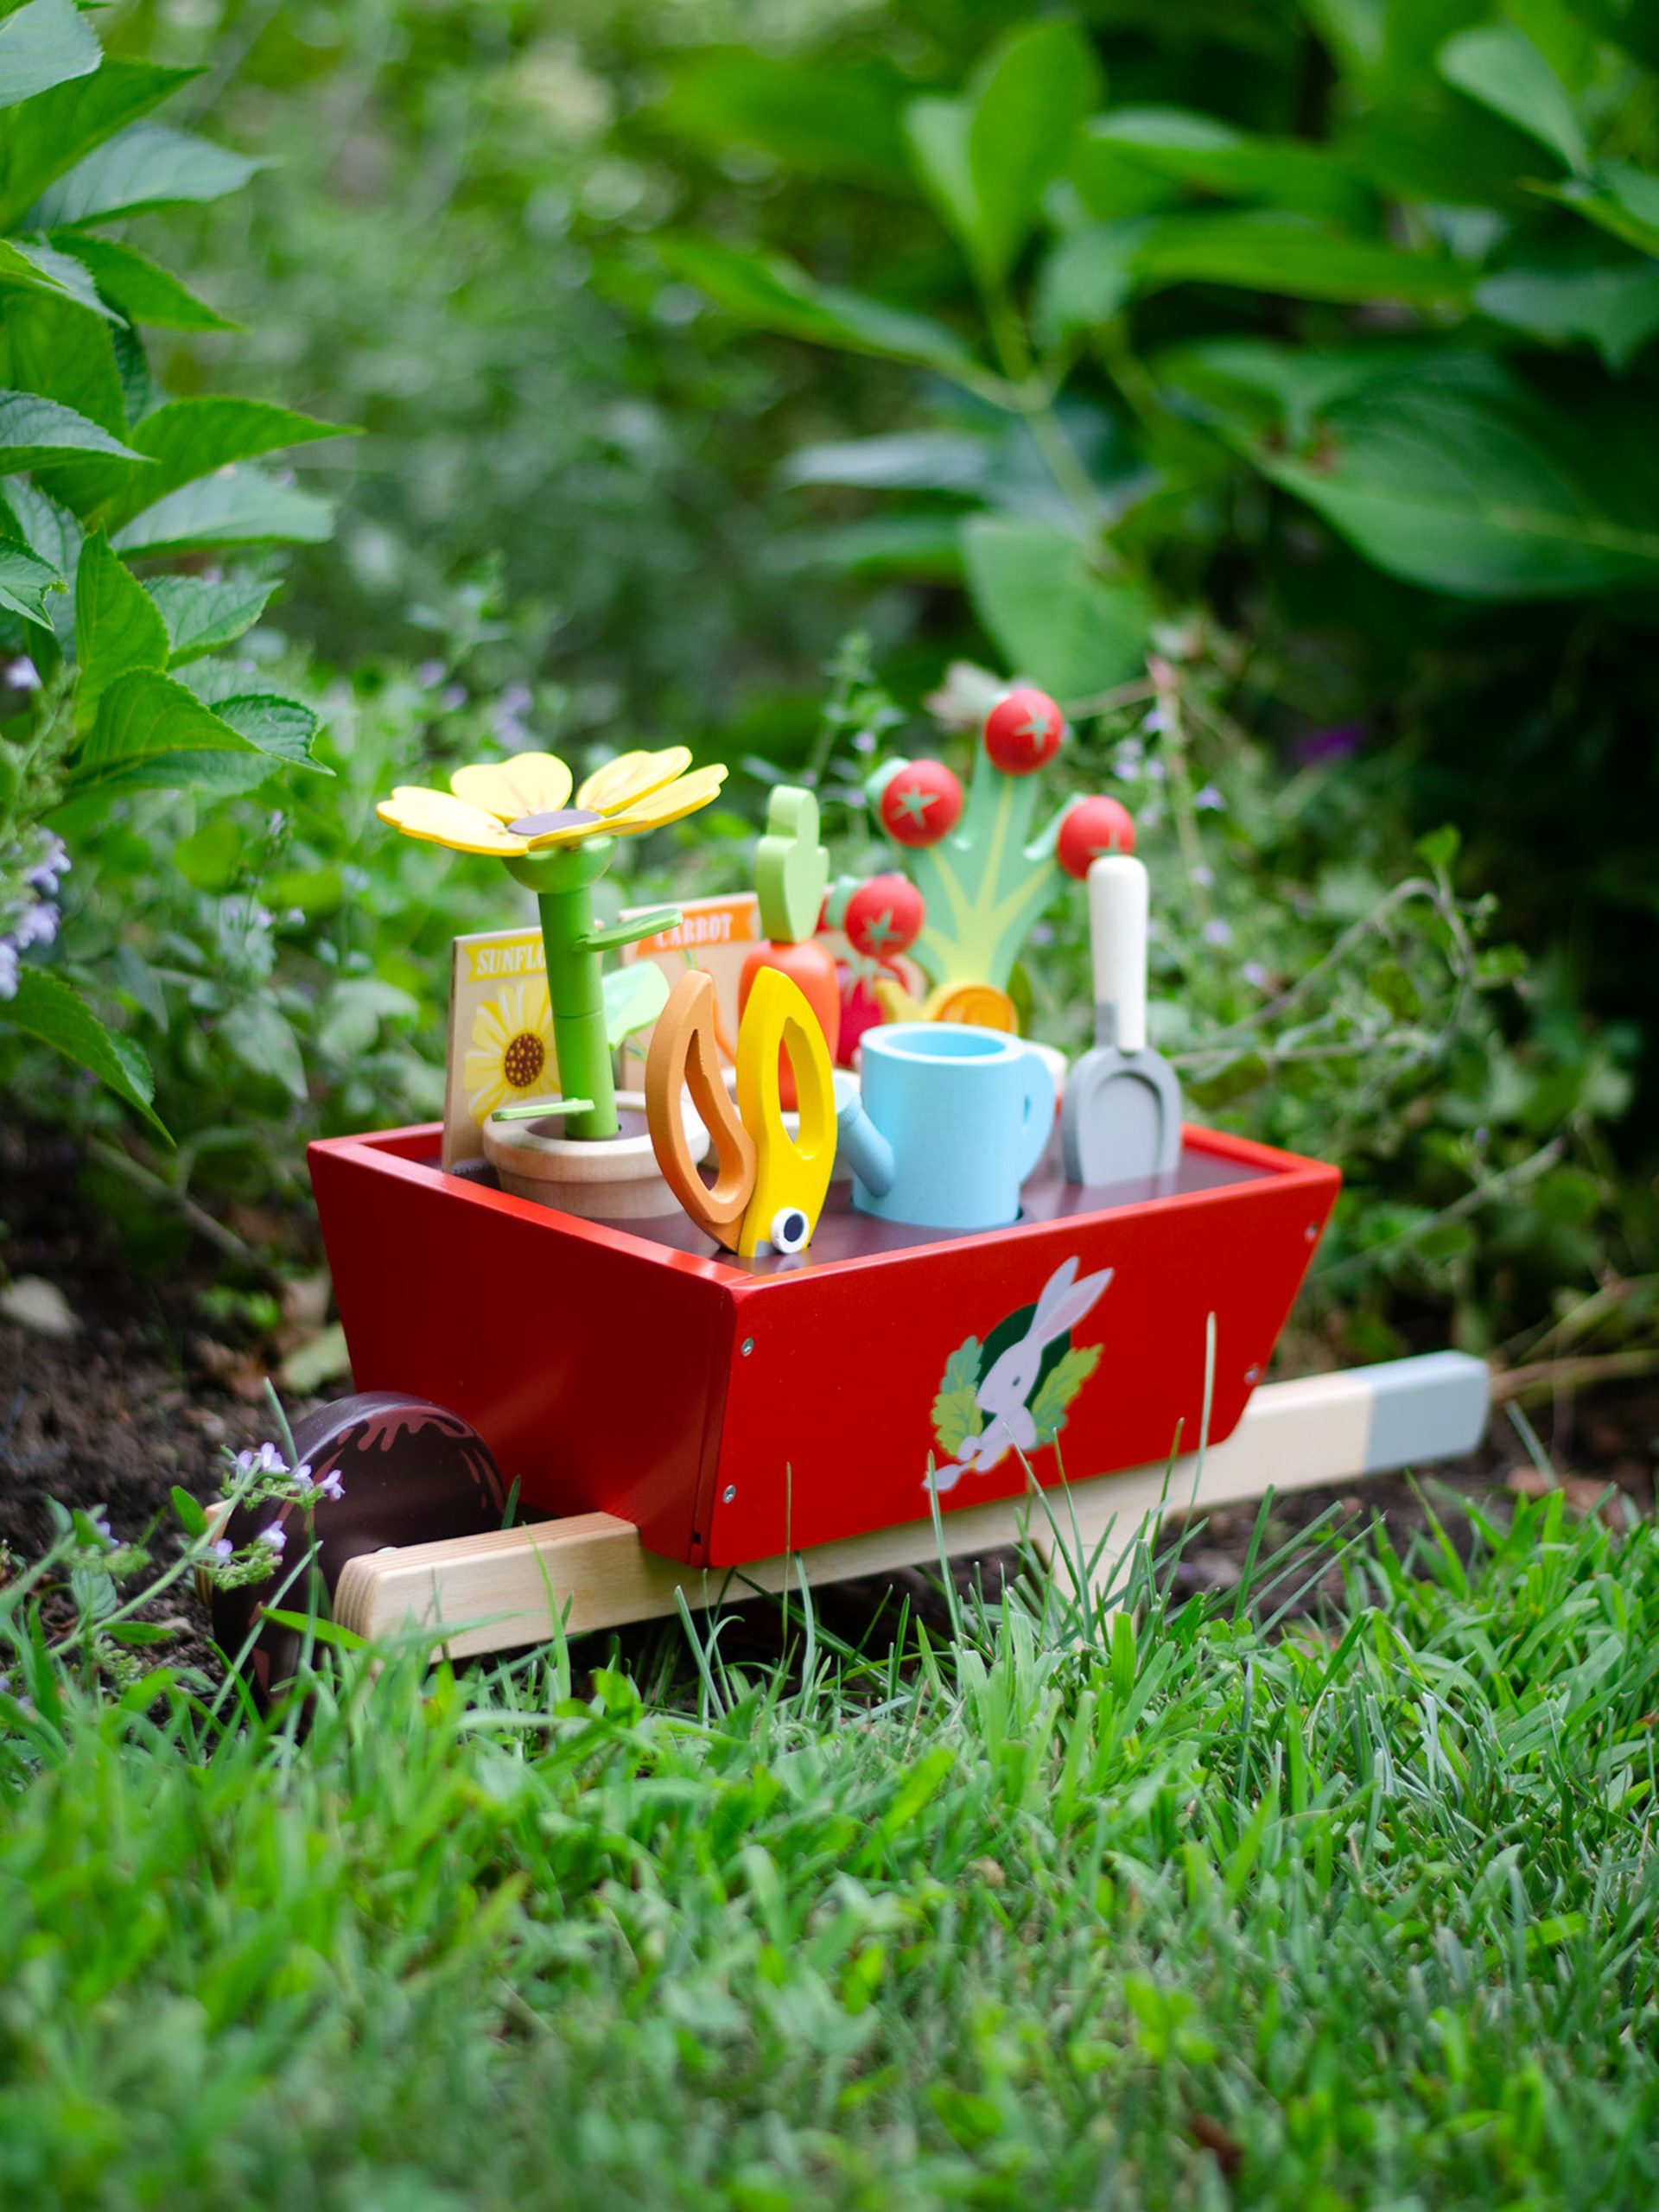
column 531, row 782
column 441, row 820
column 672, row 803
column 631, row 776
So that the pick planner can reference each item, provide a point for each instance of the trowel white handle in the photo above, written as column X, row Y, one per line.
column 1117, row 931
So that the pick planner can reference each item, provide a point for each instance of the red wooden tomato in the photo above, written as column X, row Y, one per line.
column 1090, row 827
column 884, row 916
column 921, row 803
column 812, row 966
column 860, row 1010
column 1023, row 731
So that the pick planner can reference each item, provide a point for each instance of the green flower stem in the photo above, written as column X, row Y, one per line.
column 563, row 884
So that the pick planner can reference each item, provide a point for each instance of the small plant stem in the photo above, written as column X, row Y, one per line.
column 1166, row 687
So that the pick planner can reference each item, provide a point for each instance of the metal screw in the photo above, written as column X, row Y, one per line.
column 1312, row 1232
column 747, row 1346
column 728, row 1493
column 1251, row 1373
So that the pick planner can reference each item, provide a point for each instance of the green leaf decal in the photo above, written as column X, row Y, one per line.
column 1059, row 1387
column 957, row 1416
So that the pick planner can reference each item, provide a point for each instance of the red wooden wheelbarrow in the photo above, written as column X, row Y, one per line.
column 678, row 1423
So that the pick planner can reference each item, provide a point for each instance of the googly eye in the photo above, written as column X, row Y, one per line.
column 789, row 1230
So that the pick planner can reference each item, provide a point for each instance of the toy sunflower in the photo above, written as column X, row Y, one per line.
column 519, row 810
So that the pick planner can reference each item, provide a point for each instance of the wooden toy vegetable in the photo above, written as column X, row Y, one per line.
column 1120, row 1118
column 984, row 876
column 769, row 1188
column 791, row 872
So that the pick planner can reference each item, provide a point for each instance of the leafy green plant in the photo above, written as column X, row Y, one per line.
column 1334, row 321
column 116, row 677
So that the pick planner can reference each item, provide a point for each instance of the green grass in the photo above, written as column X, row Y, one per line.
column 1194, row 1915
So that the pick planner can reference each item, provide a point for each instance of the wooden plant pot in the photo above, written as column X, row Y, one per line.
column 734, row 1411
column 604, row 1179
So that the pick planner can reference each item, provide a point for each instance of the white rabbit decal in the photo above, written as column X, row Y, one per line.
column 1003, row 1398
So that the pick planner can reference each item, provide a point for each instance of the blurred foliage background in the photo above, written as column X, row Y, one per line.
column 1275, row 384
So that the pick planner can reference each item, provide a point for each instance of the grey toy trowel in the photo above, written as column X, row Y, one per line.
column 1121, row 1120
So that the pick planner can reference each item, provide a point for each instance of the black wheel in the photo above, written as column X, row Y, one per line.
column 409, row 1473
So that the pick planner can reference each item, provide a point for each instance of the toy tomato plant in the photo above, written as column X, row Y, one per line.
column 983, row 877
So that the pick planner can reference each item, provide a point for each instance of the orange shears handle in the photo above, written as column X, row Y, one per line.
column 685, row 1056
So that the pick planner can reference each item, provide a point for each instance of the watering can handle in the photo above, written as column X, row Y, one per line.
column 1038, row 1123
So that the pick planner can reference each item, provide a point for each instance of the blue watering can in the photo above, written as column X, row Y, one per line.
column 951, row 1122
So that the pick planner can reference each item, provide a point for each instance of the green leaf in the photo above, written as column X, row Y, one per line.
column 1451, row 472
column 151, row 732
column 1495, row 64
column 1617, row 199
column 774, row 294
column 282, row 727
column 147, row 167
column 191, row 1518
column 202, row 615
column 1390, row 984
column 1190, row 149
column 987, row 159
column 137, row 287
column 118, row 626
column 635, row 996
column 50, row 134
column 44, row 44
column 24, row 581
column 1056, row 620
column 240, row 505
column 47, row 270
column 909, row 460
column 52, row 1011
column 34, row 431
column 1268, row 252
column 956, row 1415
column 817, row 118
column 1617, row 309
column 51, row 346
column 183, row 440
column 1086, row 279
column 261, row 1036
column 49, row 530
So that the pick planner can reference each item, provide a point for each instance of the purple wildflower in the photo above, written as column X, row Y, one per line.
column 275, row 1538
column 1255, row 974
column 1317, row 746
column 1209, row 800
column 1217, row 931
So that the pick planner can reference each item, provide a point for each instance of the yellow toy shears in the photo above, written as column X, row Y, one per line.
column 769, row 1188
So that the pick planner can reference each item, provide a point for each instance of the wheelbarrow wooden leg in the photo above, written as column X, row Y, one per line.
column 1298, row 1435
column 511, row 1587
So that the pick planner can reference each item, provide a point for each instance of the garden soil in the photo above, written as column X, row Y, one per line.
column 139, row 1393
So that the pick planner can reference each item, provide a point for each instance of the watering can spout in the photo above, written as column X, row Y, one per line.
column 862, row 1144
